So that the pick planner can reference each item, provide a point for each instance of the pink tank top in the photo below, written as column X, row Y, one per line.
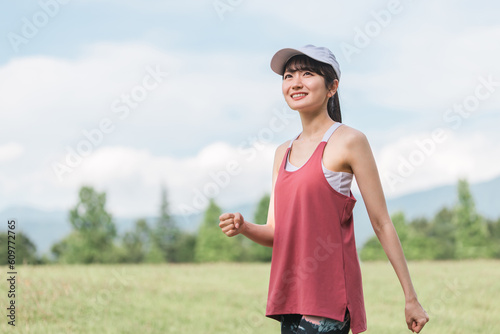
column 315, row 268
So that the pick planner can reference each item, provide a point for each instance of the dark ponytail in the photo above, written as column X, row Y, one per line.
column 334, row 108
column 305, row 63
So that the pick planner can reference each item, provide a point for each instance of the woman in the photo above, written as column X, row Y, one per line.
column 315, row 282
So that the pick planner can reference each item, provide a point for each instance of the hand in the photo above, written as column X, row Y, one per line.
column 416, row 317
column 232, row 223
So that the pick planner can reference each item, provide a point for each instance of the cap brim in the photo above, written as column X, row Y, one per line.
column 280, row 58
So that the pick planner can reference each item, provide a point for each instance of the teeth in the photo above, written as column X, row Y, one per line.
column 298, row 95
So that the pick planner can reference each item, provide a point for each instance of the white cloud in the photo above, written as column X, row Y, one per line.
column 67, row 97
column 153, row 6
column 10, row 151
column 204, row 97
column 320, row 21
column 427, row 59
column 425, row 160
column 64, row 93
column 133, row 177
column 425, row 68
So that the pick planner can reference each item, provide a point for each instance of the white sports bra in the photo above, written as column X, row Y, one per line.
column 339, row 181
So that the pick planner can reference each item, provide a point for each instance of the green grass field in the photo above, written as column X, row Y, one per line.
column 460, row 297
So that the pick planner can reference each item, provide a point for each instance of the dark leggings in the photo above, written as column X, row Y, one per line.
column 297, row 324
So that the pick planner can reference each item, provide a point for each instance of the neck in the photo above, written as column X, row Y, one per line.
column 314, row 125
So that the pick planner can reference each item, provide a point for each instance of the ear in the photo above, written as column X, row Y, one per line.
column 333, row 88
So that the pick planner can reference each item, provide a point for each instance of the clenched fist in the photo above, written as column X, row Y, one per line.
column 232, row 223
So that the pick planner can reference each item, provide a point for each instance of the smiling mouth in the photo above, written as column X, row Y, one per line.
column 298, row 95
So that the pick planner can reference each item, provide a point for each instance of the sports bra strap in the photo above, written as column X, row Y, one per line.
column 327, row 135
column 331, row 130
column 291, row 141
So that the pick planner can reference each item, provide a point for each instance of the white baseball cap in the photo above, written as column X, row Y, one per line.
column 318, row 53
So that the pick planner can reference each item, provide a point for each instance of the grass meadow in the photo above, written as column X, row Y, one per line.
column 461, row 297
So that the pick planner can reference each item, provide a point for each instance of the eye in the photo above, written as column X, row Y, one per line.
column 308, row 73
column 287, row 76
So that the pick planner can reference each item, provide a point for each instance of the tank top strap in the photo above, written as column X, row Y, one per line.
column 331, row 130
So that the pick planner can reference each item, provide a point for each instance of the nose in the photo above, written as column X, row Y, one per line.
column 296, row 83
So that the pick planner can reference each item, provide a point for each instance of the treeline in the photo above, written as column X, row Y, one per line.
column 94, row 238
column 459, row 232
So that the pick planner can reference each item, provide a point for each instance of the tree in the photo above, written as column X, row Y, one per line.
column 457, row 233
column 137, row 243
column 92, row 238
column 442, row 231
column 185, row 247
column 165, row 242
column 471, row 231
column 25, row 249
column 166, row 233
column 400, row 224
column 255, row 251
column 211, row 244
column 418, row 244
column 494, row 232
column 372, row 249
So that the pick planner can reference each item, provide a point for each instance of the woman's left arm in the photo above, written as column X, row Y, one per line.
column 360, row 158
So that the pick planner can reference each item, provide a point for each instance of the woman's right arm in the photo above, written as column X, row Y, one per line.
column 233, row 223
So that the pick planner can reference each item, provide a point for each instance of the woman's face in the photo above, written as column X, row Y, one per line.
column 306, row 90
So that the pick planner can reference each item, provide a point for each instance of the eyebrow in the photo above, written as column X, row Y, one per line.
column 292, row 69
column 297, row 70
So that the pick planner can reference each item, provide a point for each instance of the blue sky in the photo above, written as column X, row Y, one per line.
column 205, row 112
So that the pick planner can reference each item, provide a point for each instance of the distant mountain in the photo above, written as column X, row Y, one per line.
column 45, row 228
column 427, row 203
column 42, row 227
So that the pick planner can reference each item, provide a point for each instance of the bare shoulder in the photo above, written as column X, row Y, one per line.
column 280, row 153
column 281, row 150
column 352, row 137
